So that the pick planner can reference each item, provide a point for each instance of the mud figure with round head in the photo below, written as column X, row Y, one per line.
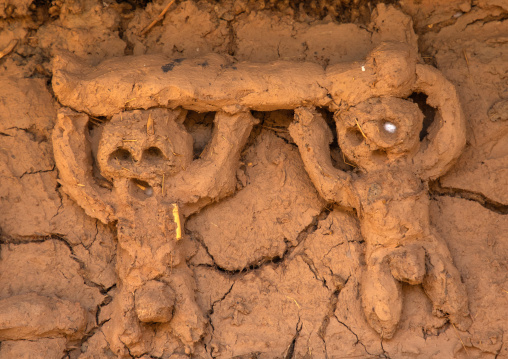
column 147, row 157
column 389, row 191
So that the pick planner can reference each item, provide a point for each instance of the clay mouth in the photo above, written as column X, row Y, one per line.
column 140, row 189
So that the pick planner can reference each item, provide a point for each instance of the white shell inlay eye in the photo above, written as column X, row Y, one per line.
column 389, row 127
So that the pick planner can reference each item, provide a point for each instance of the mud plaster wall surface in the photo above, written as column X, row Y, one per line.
column 277, row 268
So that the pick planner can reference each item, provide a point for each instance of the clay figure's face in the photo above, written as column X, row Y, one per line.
column 144, row 145
column 379, row 131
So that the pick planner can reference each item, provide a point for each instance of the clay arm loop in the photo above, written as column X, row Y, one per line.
column 213, row 175
column 74, row 162
column 447, row 135
column 313, row 137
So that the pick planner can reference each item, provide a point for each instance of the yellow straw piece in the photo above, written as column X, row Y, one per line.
column 141, row 187
column 357, row 124
column 176, row 217
column 465, row 57
column 149, row 125
column 458, row 335
column 346, row 162
column 294, row 300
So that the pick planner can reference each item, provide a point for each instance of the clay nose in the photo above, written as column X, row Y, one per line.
column 136, row 153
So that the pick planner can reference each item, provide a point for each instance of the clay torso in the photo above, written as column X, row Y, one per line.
column 393, row 206
column 146, row 231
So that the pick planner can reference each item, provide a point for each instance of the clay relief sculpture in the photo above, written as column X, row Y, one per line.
column 389, row 191
column 147, row 156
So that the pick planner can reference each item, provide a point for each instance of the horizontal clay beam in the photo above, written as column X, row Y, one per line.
column 213, row 83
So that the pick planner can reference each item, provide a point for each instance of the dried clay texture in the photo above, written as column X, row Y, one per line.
column 151, row 217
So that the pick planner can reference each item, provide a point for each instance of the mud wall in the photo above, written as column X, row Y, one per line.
column 277, row 269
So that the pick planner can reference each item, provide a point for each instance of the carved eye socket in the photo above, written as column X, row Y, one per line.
column 355, row 137
column 121, row 154
column 389, row 127
column 153, row 154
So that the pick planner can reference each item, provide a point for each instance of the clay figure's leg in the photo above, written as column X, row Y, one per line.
column 381, row 295
column 426, row 262
column 125, row 333
column 444, row 287
column 170, row 298
column 188, row 321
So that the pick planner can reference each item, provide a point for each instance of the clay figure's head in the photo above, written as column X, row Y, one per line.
column 144, row 145
column 379, row 131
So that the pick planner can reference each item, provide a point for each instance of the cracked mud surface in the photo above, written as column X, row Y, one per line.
column 277, row 268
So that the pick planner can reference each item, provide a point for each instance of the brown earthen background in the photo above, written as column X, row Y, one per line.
column 269, row 257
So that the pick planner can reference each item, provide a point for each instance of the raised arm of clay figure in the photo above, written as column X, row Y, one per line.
column 73, row 158
column 313, row 137
column 447, row 135
column 212, row 176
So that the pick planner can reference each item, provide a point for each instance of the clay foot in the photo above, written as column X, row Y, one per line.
column 154, row 302
column 381, row 298
column 444, row 287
